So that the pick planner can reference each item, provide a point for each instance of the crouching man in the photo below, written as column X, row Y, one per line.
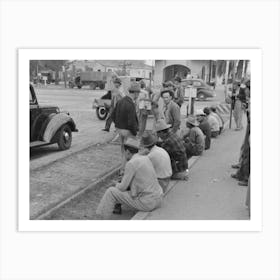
column 144, row 194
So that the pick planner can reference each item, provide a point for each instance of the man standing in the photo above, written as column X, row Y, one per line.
column 144, row 194
column 144, row 107
column 179, row 93
column 175, row 148
column 125, row 118
column 214, row 124
column 205, row 127
column 171, row 110
column 159, row 158
column 116, row 95
column 194, row 140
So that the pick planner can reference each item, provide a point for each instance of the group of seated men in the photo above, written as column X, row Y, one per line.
column 157, row 157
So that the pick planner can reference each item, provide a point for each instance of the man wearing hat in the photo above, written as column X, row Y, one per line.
column 179, row 93
column 116, row 95
column 159, row 158
column 175, row 148
column 171, row 110
column 194, row 140
column 205, row 127
column 125, row 117
column 144, row 194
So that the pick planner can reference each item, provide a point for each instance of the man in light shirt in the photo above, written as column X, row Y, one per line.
column 139, row 188
column 159, row 158
column 214, row 124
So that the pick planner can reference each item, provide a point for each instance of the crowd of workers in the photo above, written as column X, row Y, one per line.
column 151, row 158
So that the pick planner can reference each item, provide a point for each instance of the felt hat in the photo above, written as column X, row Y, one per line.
column 192, row 120
column 134, row 143
column 161, row 125
column 206, row 110
column 148, row 139
column 134, row 87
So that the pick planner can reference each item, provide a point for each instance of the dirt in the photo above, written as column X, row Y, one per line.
column 52, row 183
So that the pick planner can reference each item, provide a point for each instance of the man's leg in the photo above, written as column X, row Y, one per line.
column 108, row 123
column 113, row 196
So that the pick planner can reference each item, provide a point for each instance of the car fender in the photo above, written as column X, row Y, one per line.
column 54, row 124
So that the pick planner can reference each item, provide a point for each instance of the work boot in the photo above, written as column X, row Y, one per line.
column 235, row 176
column 106, row 129
column 235, row 166
column 117, row 209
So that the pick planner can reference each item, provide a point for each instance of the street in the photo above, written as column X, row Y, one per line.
column 92, row 153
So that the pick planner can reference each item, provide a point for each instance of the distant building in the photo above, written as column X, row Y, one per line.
column 166, row 70
column 133, row 68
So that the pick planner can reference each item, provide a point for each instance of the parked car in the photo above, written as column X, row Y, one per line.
column 102, row 105
column 48, row 125
column 204, row 91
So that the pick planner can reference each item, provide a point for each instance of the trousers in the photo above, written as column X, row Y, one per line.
column 113, row 195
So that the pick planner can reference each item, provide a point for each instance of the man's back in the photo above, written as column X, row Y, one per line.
column 161, row 162
column 125, row 116
column 144, row 181
column 205, row 128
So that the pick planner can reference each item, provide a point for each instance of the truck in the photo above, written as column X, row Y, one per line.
column 94, row 79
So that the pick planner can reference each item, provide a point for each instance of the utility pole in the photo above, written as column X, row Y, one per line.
column 226, row 79
column 235, row 64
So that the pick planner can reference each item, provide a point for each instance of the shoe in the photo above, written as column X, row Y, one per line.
column 243, row 183
column 235, row 176
column 105, row 129
column 117, row 209
column 235, row 166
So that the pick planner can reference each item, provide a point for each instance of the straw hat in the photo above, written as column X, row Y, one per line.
column 192, row 120
column 161, row 125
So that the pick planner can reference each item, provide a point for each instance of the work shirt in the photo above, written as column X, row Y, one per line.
column 214, row 124
column 140, row 176
column 179, row 95
column 172, row 115
column 177, row 152
column 195, row 139
column 218, row 118
column 161, row 162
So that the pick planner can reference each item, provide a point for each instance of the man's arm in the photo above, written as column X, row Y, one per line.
column 132, row 120
column 176, row 117
column 127, row 177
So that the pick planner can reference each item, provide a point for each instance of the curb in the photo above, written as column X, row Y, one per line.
column 141, row 215
column 103, row 177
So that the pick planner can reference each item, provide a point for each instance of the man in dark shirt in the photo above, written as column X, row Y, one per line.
column 125, row 117
column 175, row 148
column 205, row 127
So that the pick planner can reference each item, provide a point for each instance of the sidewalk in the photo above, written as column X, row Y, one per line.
column 210, row 193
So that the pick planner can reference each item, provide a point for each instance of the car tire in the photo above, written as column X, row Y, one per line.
column 93, row 86
column 101, row 113
column 64, row 139
column 79, row 86
column 201, row 97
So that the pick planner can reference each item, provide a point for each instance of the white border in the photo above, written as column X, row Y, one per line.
column 254, row 55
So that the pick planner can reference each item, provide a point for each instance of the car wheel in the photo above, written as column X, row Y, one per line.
column 79, row 86
column 101, row 113
column 64, row 137
column 93, row 86
column 102, row 86
column 201, row 97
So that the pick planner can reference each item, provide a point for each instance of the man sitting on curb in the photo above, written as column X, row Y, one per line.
column 194, row 140
column 175, row 148
column 145, row 193
column 220, row 120
column 159, row 158
column 214, row 124
column 205, row 127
